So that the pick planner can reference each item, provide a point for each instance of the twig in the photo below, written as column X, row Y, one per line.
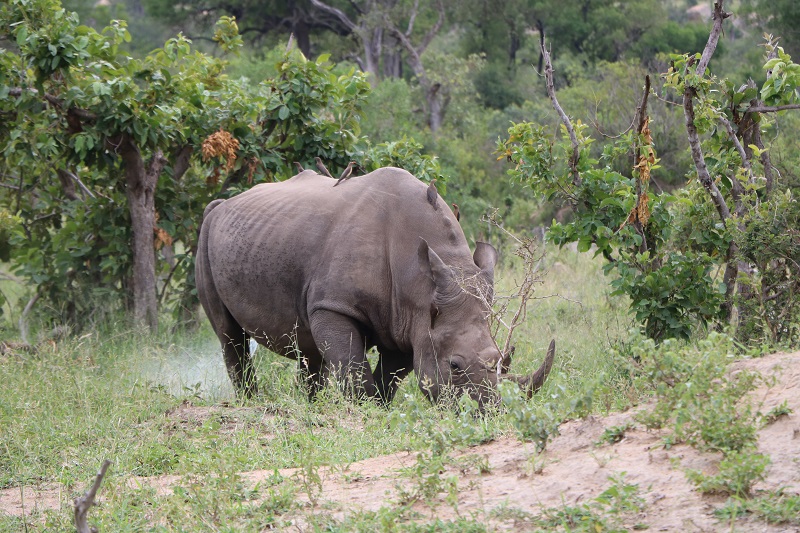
column 77, row 180
column 169, row 278
column 737, row 191
column 772, row 108
column 551, row 92
column 84, row 503
column 689, row 93
column 688, row 108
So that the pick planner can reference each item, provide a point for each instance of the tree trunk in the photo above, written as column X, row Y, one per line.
column 372, row 40
column 392, row 60
column 435, row 108
column 140, row 190
column 301, row 34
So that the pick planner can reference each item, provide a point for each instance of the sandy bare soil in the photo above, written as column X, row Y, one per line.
column 572, row 470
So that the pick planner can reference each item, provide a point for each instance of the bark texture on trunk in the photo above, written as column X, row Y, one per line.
column 140, row 181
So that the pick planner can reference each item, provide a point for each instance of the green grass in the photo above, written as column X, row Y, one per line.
column 159, row 405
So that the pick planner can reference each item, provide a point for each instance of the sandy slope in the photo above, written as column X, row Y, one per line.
column 572, row 470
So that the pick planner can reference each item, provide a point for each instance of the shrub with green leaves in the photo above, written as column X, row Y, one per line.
column 696, row 396
column 738, row 471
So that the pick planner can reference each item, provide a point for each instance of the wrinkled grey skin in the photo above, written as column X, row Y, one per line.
column 331, row 272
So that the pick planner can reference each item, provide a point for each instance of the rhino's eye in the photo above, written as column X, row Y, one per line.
column 455, row 365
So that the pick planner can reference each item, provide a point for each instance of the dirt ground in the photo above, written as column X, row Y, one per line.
column 572, row 470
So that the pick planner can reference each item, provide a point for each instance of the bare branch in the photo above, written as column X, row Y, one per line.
column 433, row 31
column 54, row 100
column 689, row 94
column 77, row 180
column 414, row 59
column 737, row 191
column 772, row 108
column 699, row 159
column 85, row 502
column 532, row 257
column 412, row 18
column 551, row 92
column 182, row 162
column 713, row 38
column 340, row 15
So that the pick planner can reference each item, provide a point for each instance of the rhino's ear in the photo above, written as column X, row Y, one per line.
column 445, row 287
column 486, row 258
column 433, row 266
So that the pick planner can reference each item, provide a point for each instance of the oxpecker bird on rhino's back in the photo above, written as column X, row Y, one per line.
column 321, row 167
column 377, row 268
column 433, row 194
column 346, row 173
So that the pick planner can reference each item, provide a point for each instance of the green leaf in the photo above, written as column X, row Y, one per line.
column 584, row 244
column 283, row 112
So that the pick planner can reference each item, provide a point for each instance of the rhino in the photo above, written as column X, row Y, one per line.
column 322, row 274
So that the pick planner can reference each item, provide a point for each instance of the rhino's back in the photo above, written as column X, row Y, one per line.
column 280, row 249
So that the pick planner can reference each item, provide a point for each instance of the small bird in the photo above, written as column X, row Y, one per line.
column 432, row 194
column 346, row 173
column 298, row 166
column 456, row 212
column 322, row 168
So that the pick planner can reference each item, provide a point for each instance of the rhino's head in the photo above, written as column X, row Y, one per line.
column 459, row 352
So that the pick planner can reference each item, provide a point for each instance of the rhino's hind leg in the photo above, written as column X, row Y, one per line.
column 236, row 352
column 341, row 343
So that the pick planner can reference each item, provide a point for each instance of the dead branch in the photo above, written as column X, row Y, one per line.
column 713, row 38
column 689, row 94
column 426, row 40
column 772, row 108
column 412, row 18
column 737, row 191
column 644, row 158
column 77, row 180
column 84, row 503
column 498, row 306
column 337, row 14
column 551, row 92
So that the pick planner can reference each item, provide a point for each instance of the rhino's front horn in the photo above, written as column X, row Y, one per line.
column 531, row 384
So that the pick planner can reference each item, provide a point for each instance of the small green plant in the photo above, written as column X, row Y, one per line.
column 738, row 471
column 706, row 407
column 614, row 434
column 534, row 422
column 428, row 479
column 308, row 475
column 777, row 412
column 605, row 513
column 775, row 507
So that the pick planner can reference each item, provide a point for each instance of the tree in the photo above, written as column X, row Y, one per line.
column 76, row 109
column 665, row 249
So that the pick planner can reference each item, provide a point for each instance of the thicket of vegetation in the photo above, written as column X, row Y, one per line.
column 113, row 144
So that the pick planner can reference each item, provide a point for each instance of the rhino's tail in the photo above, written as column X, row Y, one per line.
column 202, row 267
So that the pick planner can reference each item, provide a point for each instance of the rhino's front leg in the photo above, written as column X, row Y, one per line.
column 392, row 367
column 341, row 344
